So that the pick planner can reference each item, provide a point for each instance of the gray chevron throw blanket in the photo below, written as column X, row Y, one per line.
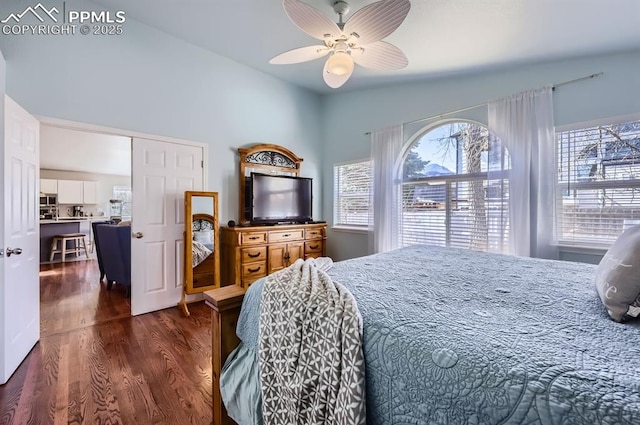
column 311, row 359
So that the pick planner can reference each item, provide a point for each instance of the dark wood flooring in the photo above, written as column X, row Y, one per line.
column 72, row 297
column 103, row 367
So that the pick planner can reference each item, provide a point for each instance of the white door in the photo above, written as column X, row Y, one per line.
column 20, row 237
column 161, row 172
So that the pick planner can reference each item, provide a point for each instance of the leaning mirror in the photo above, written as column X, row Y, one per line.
column 201, row 244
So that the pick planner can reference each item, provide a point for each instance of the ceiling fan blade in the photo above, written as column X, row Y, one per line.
column 301, row 54
column 310, row 20
column 334, row 81
column 380, row 55
column 376, row 21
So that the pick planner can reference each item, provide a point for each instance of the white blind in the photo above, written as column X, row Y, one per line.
column 455, row 190
column 598, row 183
column 351, row 186
column 459, row 211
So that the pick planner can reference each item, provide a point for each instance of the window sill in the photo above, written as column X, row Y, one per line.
column 350, row 229
column 596, row 249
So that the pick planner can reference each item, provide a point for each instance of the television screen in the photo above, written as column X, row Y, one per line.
column 280, row 199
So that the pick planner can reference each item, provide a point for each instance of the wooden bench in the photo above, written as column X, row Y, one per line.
column 80, row 244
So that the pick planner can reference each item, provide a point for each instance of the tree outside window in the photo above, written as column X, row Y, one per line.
column 448, row 196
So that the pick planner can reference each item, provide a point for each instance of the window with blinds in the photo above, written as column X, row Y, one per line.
column 455, row 189
column 123, row 193
column 352, row 203
column 598, row 194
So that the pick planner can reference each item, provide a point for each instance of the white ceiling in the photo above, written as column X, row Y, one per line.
column 438, row 37
column 72, row 150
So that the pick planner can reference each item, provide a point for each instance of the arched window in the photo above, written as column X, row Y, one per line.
column 455, row 189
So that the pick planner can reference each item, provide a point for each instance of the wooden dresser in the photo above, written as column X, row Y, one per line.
column 249, row 253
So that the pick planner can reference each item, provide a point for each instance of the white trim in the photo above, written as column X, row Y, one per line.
column 205, row 169
column 355, row 161
column 95, row 128
column 598, row 121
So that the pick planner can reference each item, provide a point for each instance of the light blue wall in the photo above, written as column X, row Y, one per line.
column 3, row 75
column 148, row 81
column 351, row 114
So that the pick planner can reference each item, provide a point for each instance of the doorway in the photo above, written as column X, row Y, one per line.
column 163, row 168
column 85, row 177
column 155, row 247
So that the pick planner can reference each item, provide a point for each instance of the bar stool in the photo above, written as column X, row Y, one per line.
column 77, row 238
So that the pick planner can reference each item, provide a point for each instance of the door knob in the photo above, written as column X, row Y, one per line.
column 138, row 235
column 10, row 251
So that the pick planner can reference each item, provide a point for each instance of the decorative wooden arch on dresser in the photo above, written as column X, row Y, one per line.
column 264, row 158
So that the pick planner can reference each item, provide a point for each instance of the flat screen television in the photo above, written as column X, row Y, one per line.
column 280, row 199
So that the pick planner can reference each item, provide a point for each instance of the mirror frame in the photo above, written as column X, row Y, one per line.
column 188, row 287
column 268, row 159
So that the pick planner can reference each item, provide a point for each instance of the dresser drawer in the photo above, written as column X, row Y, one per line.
column 203, row 279
column 312, row 247
column 258, row 253
column 253, row 238
column 254, row 270
column 313, row 234
column 286, row 235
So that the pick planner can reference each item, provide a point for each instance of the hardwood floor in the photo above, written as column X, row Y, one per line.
column 150, row 369
column 72, row 297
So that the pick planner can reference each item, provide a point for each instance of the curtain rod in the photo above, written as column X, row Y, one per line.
column 553, row 87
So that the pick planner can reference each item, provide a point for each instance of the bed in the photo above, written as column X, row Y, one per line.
column 461, row 337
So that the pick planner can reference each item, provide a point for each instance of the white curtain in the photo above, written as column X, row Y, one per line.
column 386, row 146
column 524, row 123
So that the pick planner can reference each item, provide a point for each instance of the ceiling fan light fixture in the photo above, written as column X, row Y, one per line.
column 340, row 63
column 356, row 41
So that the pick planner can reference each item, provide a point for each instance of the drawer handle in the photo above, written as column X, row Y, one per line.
column 286, row 235
column 253, row 255
column 314, row 246
column 253, row 238
column 254, row 270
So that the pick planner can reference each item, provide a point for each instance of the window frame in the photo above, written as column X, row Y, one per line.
column 346, row 227
column 584, row 245
column 128, row 203
column 448, row 180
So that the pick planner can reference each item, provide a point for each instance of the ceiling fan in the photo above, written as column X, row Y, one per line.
column 358, row 40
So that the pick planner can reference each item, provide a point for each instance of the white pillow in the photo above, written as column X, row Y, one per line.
column 618, row 277
column 204, row 237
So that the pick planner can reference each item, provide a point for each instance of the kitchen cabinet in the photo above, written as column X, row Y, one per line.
column 70, row 192
column 77, row 192
column 49, row 186
column 89, row 192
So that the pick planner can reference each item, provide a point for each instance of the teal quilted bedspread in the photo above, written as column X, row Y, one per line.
column 456, row 337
